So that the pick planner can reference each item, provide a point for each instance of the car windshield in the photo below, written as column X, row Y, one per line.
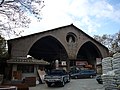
column 57, row 72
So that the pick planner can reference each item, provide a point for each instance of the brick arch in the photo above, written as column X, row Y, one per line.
column 88, row 52
column 48, row 48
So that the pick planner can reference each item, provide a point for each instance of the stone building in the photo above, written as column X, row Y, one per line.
column 67, row 44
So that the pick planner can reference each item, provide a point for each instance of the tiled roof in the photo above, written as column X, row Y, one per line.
column 27, row 61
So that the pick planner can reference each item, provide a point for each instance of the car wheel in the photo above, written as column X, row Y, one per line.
column 68, row 80
column 100, row 82
column 62, row 83
column 49, row 84
column 91, row 76
column 76, row 77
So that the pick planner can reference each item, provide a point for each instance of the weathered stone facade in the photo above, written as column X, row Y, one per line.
column 67, row 42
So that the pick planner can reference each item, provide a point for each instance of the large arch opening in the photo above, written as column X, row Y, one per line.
column 87, row 54
column 49, row 49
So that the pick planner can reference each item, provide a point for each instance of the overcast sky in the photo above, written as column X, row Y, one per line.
column 94, row 17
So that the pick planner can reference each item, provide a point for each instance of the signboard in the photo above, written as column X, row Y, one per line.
column 81, row 63
column 64, row 63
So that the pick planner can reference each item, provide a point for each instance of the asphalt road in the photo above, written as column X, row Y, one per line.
column 75, row 84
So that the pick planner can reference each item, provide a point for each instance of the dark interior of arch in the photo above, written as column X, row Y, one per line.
column 89, row 52
column 49, row 49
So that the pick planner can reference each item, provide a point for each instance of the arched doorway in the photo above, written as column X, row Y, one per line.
column 88, row 53
column 49, row 49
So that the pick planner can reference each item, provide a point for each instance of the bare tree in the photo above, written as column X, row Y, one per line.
column 112, row 42
column 15, row 14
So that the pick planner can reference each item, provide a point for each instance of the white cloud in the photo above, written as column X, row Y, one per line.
column 90, row 13
column 53, row 15
column 79, row 8
column 86, row 14
column 102, row 9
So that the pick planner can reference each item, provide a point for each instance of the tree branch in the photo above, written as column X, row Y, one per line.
column 1, row 2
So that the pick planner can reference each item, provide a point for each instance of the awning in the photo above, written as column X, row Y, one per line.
column 28, row 61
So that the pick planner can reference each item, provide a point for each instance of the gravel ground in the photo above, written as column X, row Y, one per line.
column 75, row 84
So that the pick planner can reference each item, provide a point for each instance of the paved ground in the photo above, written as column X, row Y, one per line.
column 75, row 84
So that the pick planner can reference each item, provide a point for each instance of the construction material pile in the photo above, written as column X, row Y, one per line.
column 111, row 72
column 107, row 64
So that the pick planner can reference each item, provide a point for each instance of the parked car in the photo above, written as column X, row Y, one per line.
column 57, row 77
column 74, row 73
column 99, row 79
column 83, row 74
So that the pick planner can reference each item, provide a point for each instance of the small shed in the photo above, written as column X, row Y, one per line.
column 26, row 67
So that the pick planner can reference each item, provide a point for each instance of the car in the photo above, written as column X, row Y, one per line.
column 99, row 79
column 83, row 74
column 57, row 77
column 74, row 74
column 88, row 73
